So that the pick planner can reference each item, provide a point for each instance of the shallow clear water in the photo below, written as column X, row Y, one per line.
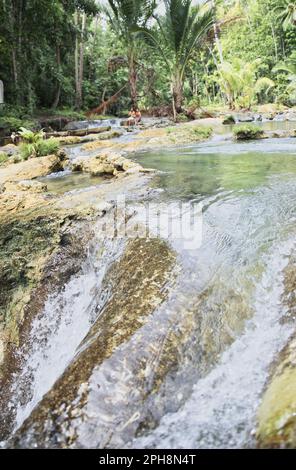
column 248, row 191
column 64, row 182
column 212, row 168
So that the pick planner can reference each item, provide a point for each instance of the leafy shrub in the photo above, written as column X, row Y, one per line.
column 3, row 158
column 12, row 124
column 39, row 149
column 248, row 132
column 30, row 137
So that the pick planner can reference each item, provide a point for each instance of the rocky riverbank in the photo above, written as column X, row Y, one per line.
column 43, row 240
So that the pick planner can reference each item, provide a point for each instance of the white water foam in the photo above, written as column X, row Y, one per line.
column 221, row 412
column 59, row 329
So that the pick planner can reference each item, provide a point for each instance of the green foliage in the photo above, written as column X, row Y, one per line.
column 63, row 112
column 202, row 132
column 181, row 29
column 12, row 124
column 248, row 132
column 3, row 158
column 286, row 13
column 38, row 40
column 289, row 68
column 34, row 144
column 239, row 84
column 190, row 133
column 229, row 120
column 30, row 137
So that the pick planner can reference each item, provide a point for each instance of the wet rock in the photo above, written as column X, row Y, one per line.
column 229, row 120
column 38, row 256
column 54, row 123
column 277, row 412
column 245, row 118
column 9, row 149
column 57, row 420
column 90, row 137
column 79, row 125
column 106, row 163
column 30, row 169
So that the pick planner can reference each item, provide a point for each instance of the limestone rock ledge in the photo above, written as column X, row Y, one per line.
column 107, row 163
column 32, row 168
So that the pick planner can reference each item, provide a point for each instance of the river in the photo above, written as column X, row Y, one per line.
column 221, row 319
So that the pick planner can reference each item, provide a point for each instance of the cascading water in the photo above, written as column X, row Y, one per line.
column 221, row 412
column 61, row 326
column 192, row 374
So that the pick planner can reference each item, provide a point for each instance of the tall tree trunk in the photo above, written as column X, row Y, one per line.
column 274, row 42
column 15, row 68
column 79, row 59
column 59, row 87
column 76, row 57
column 177, row 91
column 217, row 39
column 133, row 79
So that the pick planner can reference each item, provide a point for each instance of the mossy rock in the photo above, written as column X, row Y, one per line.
column 277, row 412
column 133, row 299
column 229, row 120
column 248, row 132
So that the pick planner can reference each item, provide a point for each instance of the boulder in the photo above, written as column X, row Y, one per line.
column 9, row 149
column 107, row 163
column 245, row 118
column 54, row 123
column 229, row 120
column 31, row 169
column 248, row 132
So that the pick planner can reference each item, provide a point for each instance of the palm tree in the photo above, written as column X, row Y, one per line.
column 290, row 68
column 286, row 12
column 181, row 29
column 238, row 81
column 126, row 16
